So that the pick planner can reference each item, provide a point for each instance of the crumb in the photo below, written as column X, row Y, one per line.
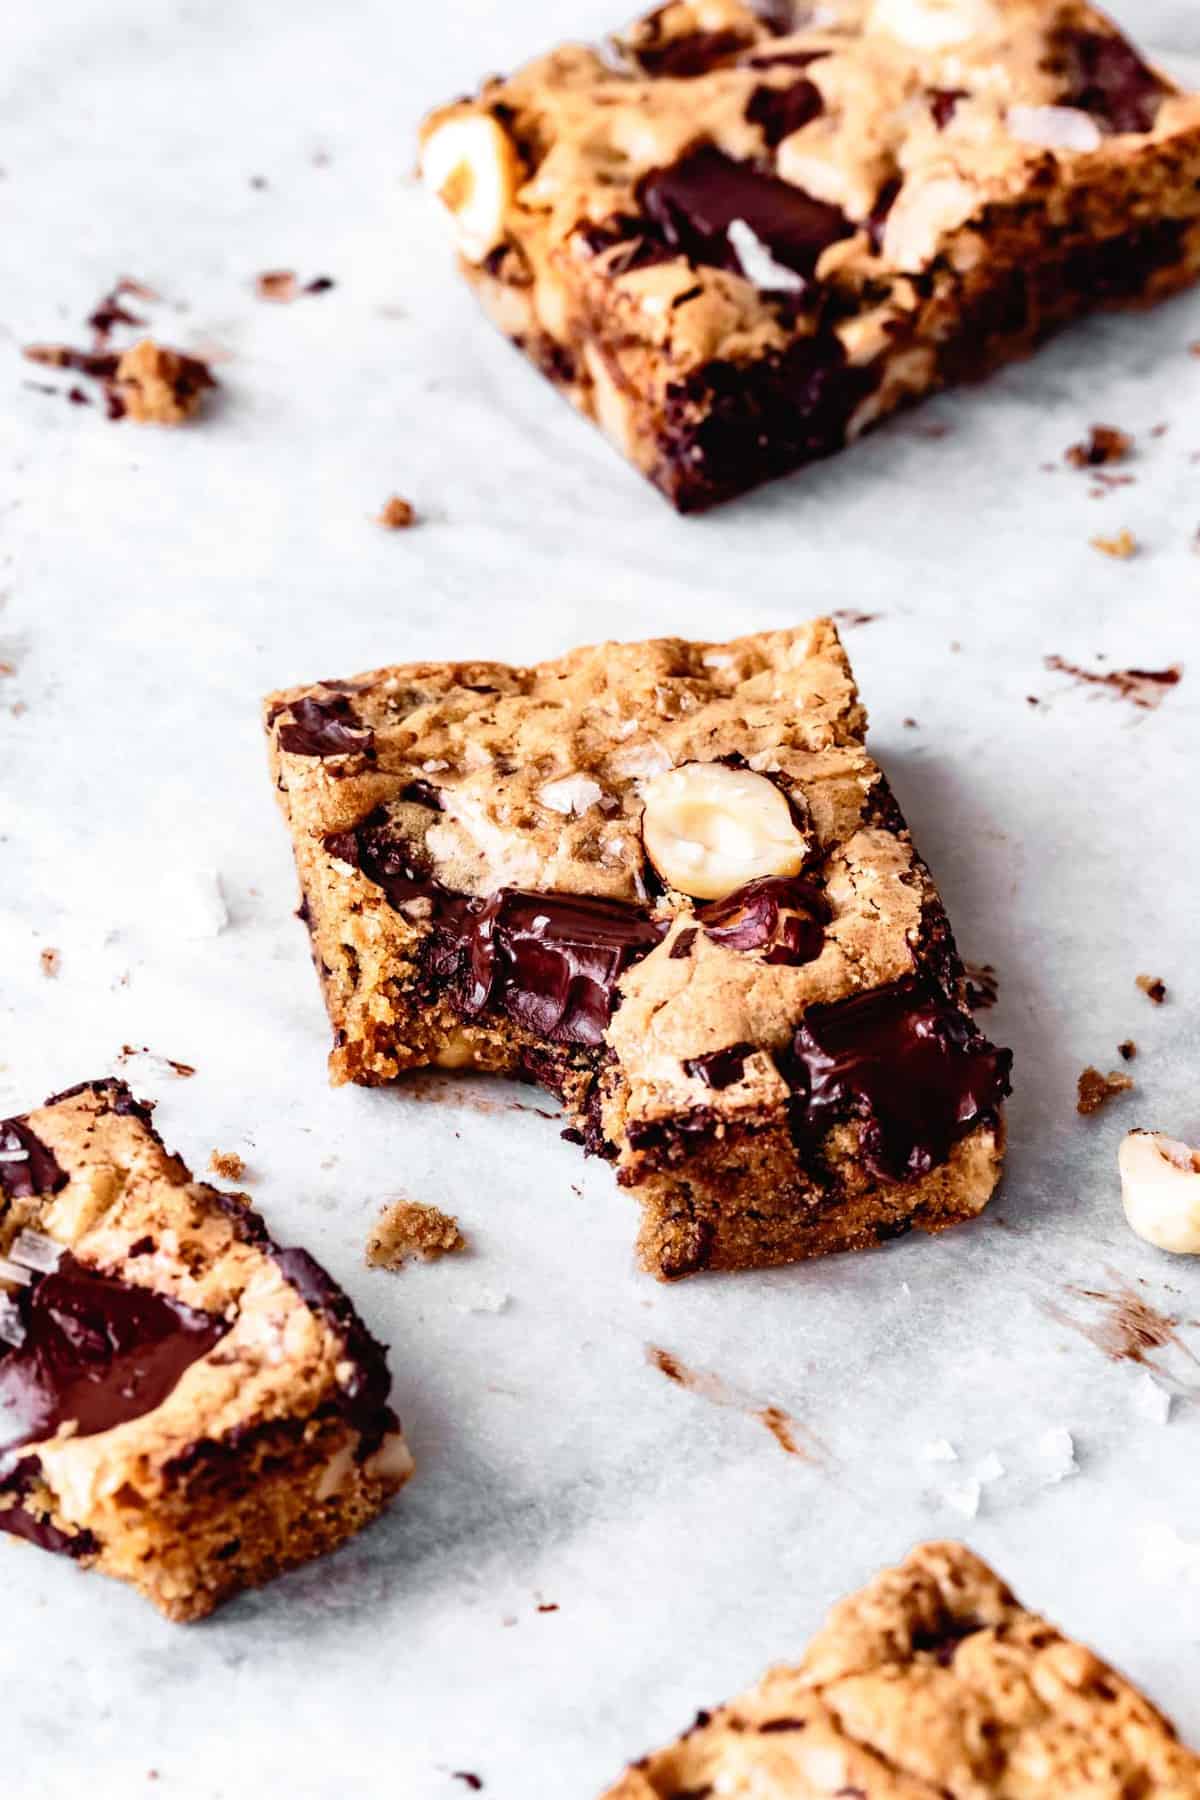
column 1123, row 546
column 283, row 285
column 7, row 668
column 182, row 1069
column 1103, row 444
column 1159, row 431
column 258, row 183
column 1153, row 988
column 158, row 386
column 228, row 1165
column 910, row 724
column 468, row 1779
column 1127, row 1050
column 397, row 515
column 1032, row 700
column 548, row 1606
column 849, row 616
column 1194, row 349
column 983, row 986
column 406, row 1229
column 51, row 962
column 277, row 284
column 1096, row 1090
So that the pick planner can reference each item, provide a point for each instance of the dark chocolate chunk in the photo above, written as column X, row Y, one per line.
column 27, row 1166
column 911, row 1067
column 730, row 425
column 550, row 961
column 695, row 54
column 695, row 201
column 1106, row 77
column 363, row 1394
column 780, row 111
column 720, row 1068
column 423, row 793
column 683, row 945
column 97, row 1351
column 942, row 102
column 325, row 728
column 785, row 916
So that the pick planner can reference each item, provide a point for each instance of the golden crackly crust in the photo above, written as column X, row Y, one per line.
column 262, row 1408
column 933, row 1681
column 505, row 750
column 954, row 207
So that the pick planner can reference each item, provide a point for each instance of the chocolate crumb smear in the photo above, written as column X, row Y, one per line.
column 1103, row 444
column 1096, row 1089
column 27, row 1166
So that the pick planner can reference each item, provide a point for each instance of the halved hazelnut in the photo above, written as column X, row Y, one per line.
column 1160, row 1188
column 470, row 164
column 709, row 829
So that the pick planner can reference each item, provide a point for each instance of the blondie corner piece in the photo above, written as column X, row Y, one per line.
column 183, row 1404
column 739, row 236
column 932, row 1681
column 666, row 881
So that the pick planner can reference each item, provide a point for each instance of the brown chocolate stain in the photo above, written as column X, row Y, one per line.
column 182, row 1069
column 441, row 1090
column 787, row 1431
column 848, row 617
column 983, row 986
column 1144, row 688
column 1128, row 1327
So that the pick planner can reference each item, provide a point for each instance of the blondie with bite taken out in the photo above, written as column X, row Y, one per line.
column 667, row 881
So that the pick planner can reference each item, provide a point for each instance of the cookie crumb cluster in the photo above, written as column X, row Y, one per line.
column 410, row 1229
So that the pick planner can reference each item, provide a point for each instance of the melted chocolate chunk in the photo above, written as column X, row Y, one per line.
column 910, row 1066
column 720, row 1068
column 27, row 1167
column 325, row 728
column 783, row 915
column 1107, row 78
column 96, row 1351
column 363, row 1396
column 23, row 1522
column 780, row 111
column 550, row 961
column 695, row 201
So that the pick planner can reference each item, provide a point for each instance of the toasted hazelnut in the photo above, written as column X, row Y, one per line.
column 457, row 1052
column 470, row 164
column 709, row 829
column 1160, row 1188
column 934, row 24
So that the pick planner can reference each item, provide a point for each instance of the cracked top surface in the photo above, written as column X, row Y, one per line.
column 932, row 1683
column 901, row 121
column 97, row 1180
column 492, row 776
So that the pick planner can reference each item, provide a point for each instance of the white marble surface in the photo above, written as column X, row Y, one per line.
column 155, row 585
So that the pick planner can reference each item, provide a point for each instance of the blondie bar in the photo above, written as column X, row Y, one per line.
column 667, row 881
column 932, row 1681
column 739, row 235
column 183, row 1404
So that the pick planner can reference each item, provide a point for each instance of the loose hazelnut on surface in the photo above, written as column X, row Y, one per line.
column 709, row 829
column 1160, row 1188
column 470, row 164
column 934, row 24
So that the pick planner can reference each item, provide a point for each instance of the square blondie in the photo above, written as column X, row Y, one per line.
column 737, row 236
column 666, row 881
column 183, row 1404
column 933, row 1680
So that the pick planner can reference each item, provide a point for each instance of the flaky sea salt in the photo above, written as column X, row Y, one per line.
column 1056, row 1453
column 11, row 1271
column 965, row 1498
column 940, row 1450
column 1151, row 1401
column 12, row 1331
column 1054, row 127
column 194, row 903
column 756, row 262
column 571, row 794
column 34, row 1250
column 484, row 1300
column 991, row 1468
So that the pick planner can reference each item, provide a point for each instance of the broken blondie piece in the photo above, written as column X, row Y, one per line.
column 740, row 235
column 666, row 881
column 183, row 1404
column 934, row 1680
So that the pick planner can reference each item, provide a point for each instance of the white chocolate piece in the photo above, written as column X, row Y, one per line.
column 1160, row 1188
column 709, row 829
column 468, row 162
